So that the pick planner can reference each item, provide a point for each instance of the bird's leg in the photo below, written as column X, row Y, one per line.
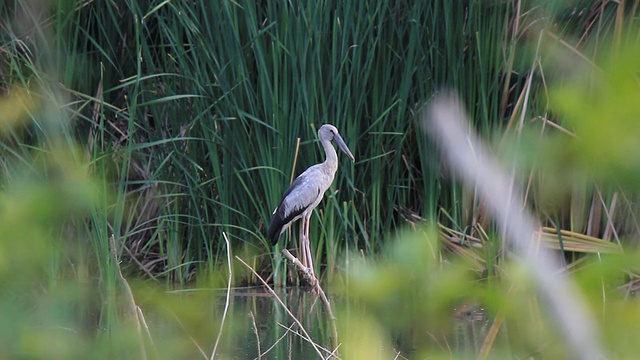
column 301, row 243
column 308, row 247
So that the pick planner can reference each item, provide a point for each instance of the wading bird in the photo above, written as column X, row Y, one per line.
column 306, row 192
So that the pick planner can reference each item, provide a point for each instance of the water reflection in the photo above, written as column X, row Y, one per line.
column 258, row 327
column 275, row 334
column 470, row 329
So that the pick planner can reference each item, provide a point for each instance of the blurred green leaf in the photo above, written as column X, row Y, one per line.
column 601, row 107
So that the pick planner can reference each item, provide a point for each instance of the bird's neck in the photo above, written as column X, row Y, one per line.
column 331, row 157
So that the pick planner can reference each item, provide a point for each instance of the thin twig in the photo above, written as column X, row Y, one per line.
column 195, row 343
column 574, row 50
column 226, row 304
column 134, row 313
column 277, row 341
column 295, row 161
column 140, row 265
column 255, row 331
column 146, row 330
column 315, row 347
column 487, row 344
column 489, row 340
column 610, row 228
column 305, row 271
column 331, row 353
column 316, row 286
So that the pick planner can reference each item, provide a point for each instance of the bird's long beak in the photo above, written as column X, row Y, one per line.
column 343, row 146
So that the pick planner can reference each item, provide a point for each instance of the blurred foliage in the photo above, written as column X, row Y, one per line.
column 600, row 106
column 589, row 137
column 60, row 299
column 43, row 191
column 164, row 125
column 412, row 291
column 422, row 297
column 14, row 108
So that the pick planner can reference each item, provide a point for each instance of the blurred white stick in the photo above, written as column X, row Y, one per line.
column 447, row 123
column 226, row 303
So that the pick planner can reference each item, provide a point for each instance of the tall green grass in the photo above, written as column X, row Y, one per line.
column 189, row 116
column 216, row 97
column 194, row 110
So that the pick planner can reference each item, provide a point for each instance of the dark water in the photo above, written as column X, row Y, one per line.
column 276, row 335
column 257, row 326
column 185, row 324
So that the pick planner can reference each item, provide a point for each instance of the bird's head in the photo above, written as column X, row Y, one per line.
column 328, row 132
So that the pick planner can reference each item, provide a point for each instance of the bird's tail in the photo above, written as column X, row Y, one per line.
column 274, row 232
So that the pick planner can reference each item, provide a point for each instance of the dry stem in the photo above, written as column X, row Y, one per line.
column 306, row 334
column 226, row 304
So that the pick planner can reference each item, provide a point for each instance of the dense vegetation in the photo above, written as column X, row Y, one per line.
column 146, row 132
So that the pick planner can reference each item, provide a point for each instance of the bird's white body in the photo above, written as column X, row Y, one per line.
column 308, row 189
column 307, row 194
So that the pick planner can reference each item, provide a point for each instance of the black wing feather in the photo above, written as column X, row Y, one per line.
column 281, row 217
